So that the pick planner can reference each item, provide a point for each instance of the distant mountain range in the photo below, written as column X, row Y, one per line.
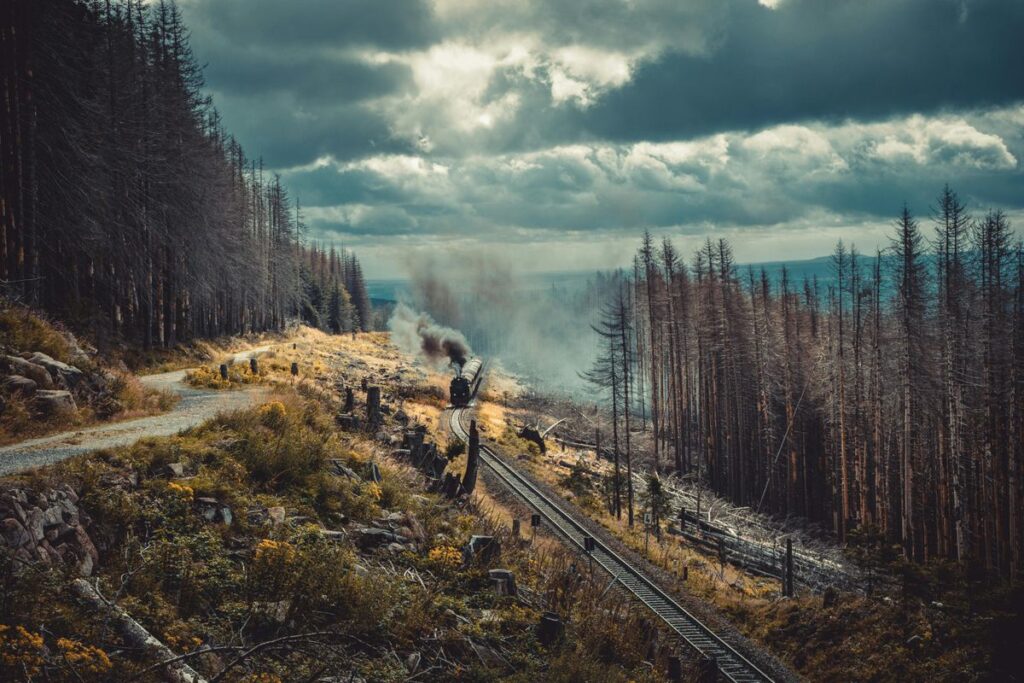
column 393, row 290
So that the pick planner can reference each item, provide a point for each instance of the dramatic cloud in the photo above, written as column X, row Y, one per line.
column 540, row 127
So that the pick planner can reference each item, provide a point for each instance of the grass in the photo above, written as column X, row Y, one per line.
column 194, row 583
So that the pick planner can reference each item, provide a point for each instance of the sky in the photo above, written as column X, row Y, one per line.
column 551, row 133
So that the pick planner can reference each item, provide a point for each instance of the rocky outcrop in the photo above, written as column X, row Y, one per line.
column 37, row 373
column 47, row 527
column 54, row 402
column 64, row 375
column 16, row 384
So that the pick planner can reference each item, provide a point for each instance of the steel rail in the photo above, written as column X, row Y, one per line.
column 734, row 666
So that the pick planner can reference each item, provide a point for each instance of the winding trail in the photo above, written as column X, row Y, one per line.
column 195, row 406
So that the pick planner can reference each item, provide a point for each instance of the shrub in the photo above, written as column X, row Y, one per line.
column 273, row 415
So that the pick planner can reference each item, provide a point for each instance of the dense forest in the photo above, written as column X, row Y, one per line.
column 126, row 207
column 888, row 403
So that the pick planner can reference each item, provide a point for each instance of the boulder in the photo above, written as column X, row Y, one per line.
column 55, row 402
column 68, row 375
column 25, row 368
column 14, row 534
column 175, row 470
column 18, row 384
column 35, row 524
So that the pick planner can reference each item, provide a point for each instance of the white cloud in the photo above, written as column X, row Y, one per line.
column 949, row 141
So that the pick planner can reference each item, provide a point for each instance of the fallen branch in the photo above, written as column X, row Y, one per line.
column 133, row 632
column 262, row 646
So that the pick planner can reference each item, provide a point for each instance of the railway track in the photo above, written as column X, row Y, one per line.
column 731, row 664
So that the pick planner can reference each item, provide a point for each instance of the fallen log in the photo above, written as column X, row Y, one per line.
column 137, row 636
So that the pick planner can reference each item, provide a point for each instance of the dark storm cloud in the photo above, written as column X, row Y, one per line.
column 417, row 122
column 287, row 132
column 314, row 79
column 815, row 60
column 272, row 24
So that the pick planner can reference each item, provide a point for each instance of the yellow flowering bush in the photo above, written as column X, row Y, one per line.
column 445, row 556
column 373, row 488
column 274, row 554
column 84, row 658
column 180, row 490
column 21, row 651
column 273, row 414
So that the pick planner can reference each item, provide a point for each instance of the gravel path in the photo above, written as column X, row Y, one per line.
column 195, row 406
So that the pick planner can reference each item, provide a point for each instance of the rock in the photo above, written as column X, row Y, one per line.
column 56, row 402
column 34, row 524
column 401, row 417
column 36, row 373
column 52, row 554
column 54, row 515
column 9, row 503
column 70, row 493
column 68, row 375
column 412, row 662
column 275, row 611
column 18, row 384
column 176, row 470
column 85, row 567
column 212, row 510
column 372, row 537
column 481, row 548
column 395, row 548
column 86, row 544
column 276, row 515
column 14, row 534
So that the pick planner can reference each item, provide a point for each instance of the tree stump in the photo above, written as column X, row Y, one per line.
column 224, row 371
column 675, row 669
column 503, row 580
column 373, row 406
column 350, row 401
column 254, row 365
column 550, row 629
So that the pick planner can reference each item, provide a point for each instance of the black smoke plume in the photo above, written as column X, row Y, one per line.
column 418, row 333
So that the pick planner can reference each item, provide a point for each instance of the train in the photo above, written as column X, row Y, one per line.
column 466, row 382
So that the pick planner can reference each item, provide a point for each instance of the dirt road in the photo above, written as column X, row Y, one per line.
column 195, row 406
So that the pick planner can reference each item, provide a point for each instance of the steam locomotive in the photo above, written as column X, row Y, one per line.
column 466, row 382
